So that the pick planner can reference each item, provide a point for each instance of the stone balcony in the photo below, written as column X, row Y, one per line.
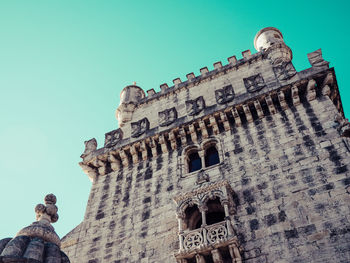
column 205, row 237
column 208, row 240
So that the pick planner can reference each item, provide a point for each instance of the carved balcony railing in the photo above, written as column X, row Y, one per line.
column 206, row 236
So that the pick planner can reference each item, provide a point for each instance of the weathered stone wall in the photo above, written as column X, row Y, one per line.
column 289, row 171
column 282, row 146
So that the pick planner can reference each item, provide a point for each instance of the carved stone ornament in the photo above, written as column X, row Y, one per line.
column 316, row 59
column 284, row 71
column 113, row 137
column 45, row 215
column 202, row 177
column 140, row 127
column 90, row 146
column 224, row 95
column 195, row 106
column 254, row 83
column 167, row 116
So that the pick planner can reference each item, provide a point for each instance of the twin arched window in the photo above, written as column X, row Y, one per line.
column 214, row 213
column 194, row 161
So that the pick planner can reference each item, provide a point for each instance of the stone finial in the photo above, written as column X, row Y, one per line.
column 47, row 212
column 42, row 228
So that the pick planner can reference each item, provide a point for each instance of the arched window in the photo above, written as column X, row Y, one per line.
column 194, row 162
column 193, row 217
column 215, row 212
column 211, row 156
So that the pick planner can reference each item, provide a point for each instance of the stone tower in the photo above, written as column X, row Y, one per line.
column 247, row 162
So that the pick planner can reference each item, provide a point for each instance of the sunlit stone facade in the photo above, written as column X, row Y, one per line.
column 248, row 162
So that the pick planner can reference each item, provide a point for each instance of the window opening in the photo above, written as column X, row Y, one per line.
column 215, row 213
column 193, row 217
column 194, row 162
column 211, row 156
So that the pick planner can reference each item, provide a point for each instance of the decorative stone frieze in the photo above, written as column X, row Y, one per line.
column 224, row 95
column 254, row 83
column 195, row 106
column 168, row 140
column 113, row 137
column 140, row 127
column 284, row 71
column 221, row 189
column 167, row 116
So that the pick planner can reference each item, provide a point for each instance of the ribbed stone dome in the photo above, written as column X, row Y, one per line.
column 30, row 249
column 38, row 242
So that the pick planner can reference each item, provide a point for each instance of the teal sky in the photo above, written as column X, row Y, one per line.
column 64, row 63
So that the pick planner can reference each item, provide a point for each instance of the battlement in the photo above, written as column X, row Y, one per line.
column 219, row 100
column 119, row 152
column 241, row 163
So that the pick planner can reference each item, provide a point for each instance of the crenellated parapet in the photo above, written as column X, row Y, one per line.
column 214, row 102
column 124, row 154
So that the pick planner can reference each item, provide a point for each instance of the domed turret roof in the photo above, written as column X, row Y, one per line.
column 37, row 242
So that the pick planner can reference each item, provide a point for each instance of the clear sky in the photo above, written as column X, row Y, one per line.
column 63, row 65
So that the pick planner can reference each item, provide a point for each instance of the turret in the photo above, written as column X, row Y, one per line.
column 270, row 40
column 129, row 98
column 37, row 242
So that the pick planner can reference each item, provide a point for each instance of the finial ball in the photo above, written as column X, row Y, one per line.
column 50, row 199
column 40, row 208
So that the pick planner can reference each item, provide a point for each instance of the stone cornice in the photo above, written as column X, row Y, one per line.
column 220, row 119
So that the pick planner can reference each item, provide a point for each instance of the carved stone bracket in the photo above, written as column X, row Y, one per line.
column 195, row 106
column 140, row 127
column 113, row 137
column 254, row 83
column 167, row 116
column 284, row 71
column 224, row 95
